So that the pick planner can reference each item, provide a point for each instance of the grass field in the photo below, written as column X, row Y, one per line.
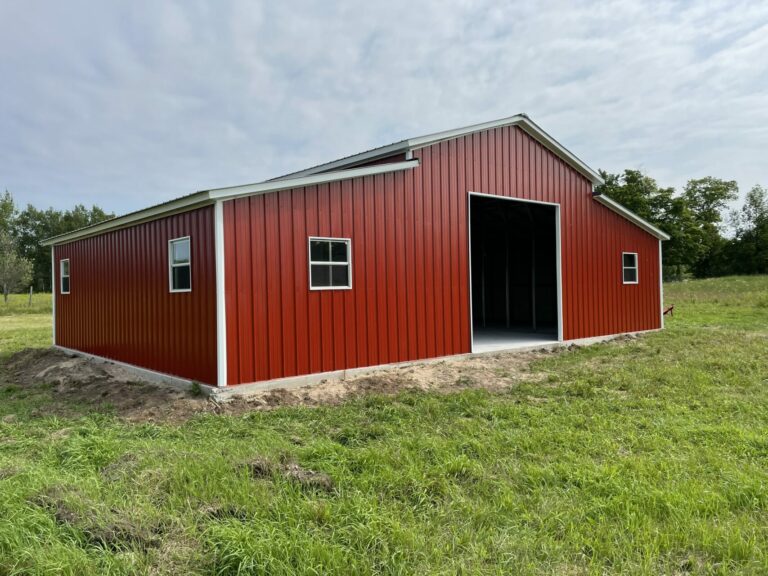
column 647, row 456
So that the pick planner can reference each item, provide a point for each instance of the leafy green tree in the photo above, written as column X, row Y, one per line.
column 641, row 194
column 15, row 271
column 748, row 250
column 707, row 198
column 33, row 225
column 7, row 212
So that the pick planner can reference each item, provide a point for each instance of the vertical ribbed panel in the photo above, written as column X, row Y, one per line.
column 120, row 307
column 409, row 231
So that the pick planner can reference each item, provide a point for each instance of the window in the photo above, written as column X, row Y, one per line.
column 180, row 265
column 64, row 274
column 330, row 264
column 629, row 267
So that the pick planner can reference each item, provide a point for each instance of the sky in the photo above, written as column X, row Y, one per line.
column 125, row 104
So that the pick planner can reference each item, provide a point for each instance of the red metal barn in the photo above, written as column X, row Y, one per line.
column 481, row 238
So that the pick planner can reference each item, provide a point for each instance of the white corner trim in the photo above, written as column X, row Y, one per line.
column 53, row 294
column 631, row 216
column 559, row 264
column 661, row 288
column 221, row 303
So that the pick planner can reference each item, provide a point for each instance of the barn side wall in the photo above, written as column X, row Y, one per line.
column 119, row 306
column 410, row 297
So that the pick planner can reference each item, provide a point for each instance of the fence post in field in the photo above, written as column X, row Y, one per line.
column 30, row 298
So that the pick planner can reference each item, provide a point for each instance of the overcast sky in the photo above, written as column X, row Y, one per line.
column 126, row 104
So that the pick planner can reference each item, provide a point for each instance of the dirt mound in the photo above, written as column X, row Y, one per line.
column 79, row 383
column 107, row 528
column 308, row 479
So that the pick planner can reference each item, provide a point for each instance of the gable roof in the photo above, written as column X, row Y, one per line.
column 409, row 145
column 349, row 167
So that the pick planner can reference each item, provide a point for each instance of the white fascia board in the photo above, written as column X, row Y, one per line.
column 631, row 216
column 528, row 125
column 275, row 185
column 382, row 151
column 207, row 197
column 429, row 139
column 411, row 144
column 181, row 204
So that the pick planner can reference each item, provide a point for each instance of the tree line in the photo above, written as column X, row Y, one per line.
column 23, row 261
column 706, row 239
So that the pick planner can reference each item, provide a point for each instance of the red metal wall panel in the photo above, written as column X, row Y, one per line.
column 409, row 231
column 120, row 307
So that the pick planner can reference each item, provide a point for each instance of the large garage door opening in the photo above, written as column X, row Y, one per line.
column 514, row 273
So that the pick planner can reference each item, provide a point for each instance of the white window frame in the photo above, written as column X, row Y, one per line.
column 348, row 263
column 636, row 268
column 62, row 275
column 171, row 265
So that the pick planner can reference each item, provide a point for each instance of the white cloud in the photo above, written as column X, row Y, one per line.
column 127, row 104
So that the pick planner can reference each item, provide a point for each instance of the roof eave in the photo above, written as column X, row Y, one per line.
column 526, row 124
column 632, row 217
column 207, row 197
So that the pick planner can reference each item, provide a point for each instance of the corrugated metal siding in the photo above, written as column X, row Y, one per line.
column 409, row 231
column 120, row 306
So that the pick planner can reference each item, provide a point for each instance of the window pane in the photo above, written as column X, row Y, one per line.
column 630, row 275
column 65, row 284
column 339, row 275
column 630, row 260
column 321, row 276
column 319, row 250
column 182, row 279
column 180, row 251
column 338, row 251
column 65, row 267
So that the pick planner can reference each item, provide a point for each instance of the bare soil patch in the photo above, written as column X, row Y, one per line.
column 111, row 529
column 80, row 383
column 308, row 479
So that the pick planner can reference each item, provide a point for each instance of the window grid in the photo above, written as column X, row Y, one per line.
column 329, row 263
column 64, row 276
column 173, row 265
column 629, row 268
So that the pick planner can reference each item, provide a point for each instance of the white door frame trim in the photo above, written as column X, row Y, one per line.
column 558, row 258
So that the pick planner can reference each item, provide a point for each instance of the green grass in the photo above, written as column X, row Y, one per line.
column 18, row 304
column 22, row 325
column 641, row 457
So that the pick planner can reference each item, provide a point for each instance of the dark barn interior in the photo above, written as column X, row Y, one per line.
column 514, row 268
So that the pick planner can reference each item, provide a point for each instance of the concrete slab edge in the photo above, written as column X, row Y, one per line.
column 293, row 382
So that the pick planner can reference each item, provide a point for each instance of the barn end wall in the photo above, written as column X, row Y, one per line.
column 120, row 307
column 410, row 265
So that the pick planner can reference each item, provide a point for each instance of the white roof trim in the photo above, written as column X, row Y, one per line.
column 525, row 123
column 207, row 197
column 349, row 160
column 274, row 185
column 632, row 217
